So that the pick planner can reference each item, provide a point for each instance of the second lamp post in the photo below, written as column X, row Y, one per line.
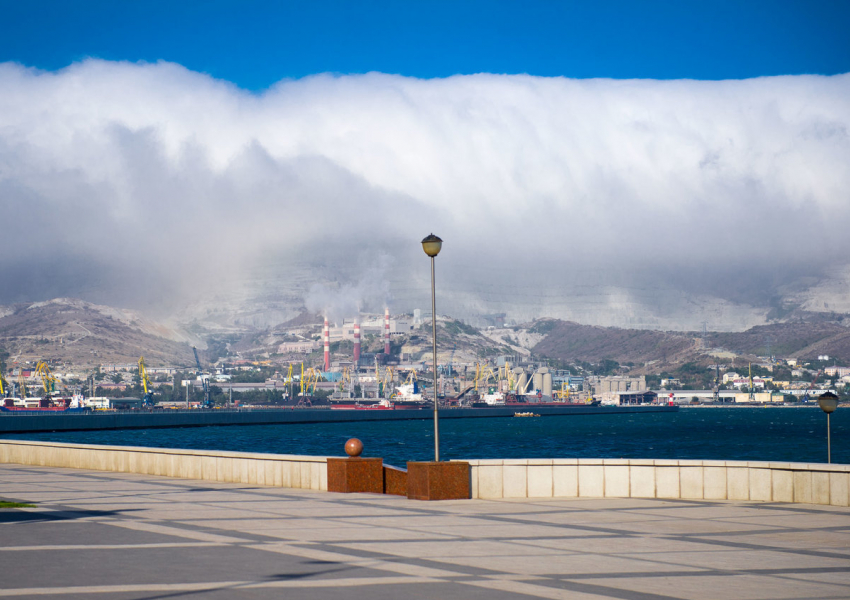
column 828, row 402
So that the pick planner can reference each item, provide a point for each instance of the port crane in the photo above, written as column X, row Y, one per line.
column 302, row 380
column 312, row 380
column 388, row 383
column 22, row 386
column 288, row 381
column 204, row 380
column 309, row 379
column 147, row 399
column 564, row 392
column 483, row 376
column 345, row 379
column 472, row 386
column 506, row 375
column 48, row 381
column 384, row 385
column 411, row 378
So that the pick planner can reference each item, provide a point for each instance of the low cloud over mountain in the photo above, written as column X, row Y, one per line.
column 636, row 202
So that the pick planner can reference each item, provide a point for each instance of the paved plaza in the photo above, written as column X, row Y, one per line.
column 126, row 536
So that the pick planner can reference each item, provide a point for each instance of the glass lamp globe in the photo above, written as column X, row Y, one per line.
column 432, row 245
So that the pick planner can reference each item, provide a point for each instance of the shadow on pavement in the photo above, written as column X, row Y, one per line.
column 16, row 515
column 279, row 577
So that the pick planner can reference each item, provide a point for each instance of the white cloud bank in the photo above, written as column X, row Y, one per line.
column 141, row 184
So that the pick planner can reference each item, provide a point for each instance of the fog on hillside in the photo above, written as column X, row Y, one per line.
column 643, row 203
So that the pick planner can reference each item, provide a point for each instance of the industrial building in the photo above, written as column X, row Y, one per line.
column 398, row 325
column 607, row 389
column 632, row 398
column 303, row 347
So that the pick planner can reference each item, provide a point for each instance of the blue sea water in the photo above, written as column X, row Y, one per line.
column 729, row 433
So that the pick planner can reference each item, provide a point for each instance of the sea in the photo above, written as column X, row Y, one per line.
column 796, row 434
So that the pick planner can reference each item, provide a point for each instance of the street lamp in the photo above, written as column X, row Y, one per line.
column 432, row 245
column 828, row 402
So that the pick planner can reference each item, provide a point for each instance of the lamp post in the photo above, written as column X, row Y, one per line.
column 828, row 402
column 432, row 245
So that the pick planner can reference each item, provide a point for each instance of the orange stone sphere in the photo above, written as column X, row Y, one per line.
column 354, row 447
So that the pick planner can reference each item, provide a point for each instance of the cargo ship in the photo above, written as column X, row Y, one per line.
column 362, row 404
column 408, row 396
column 501, row 399
column 405, row 397
column 45, row 404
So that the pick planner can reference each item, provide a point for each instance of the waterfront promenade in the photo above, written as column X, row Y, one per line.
column 126, row 536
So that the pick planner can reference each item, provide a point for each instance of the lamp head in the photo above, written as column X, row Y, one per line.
column 432, row 245
column 828, row 402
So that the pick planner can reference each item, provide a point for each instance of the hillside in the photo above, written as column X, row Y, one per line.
column 801, row 340
column 79, row 333
column 574, row 342
column 570, row 341
column 83, row 334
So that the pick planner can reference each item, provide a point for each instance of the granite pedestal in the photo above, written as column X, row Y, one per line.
column 356, row 474
column 438, row 480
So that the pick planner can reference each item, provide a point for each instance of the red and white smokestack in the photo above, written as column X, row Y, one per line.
column 357, row 342
column 326, row 333
column 387, row 331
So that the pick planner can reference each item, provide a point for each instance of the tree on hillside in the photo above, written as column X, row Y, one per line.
column 607, row 367
column 695, row 376
column 177, row 393
column 253, row 376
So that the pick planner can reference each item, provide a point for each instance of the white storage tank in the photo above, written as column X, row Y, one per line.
column 547, row 382
column 538, row 381
column 521, row 380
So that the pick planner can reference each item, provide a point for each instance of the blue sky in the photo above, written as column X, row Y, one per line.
column 255, row 44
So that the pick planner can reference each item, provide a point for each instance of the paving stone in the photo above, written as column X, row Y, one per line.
column 119, row 536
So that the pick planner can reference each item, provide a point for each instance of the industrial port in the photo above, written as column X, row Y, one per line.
column 381, row 362
column 387, row 377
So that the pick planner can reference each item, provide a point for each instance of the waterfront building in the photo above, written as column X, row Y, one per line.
column 633, row 398
column 606, row 388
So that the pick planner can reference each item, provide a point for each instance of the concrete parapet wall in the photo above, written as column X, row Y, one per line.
column 281, row 470
column 674, row 479
column 489, row 479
